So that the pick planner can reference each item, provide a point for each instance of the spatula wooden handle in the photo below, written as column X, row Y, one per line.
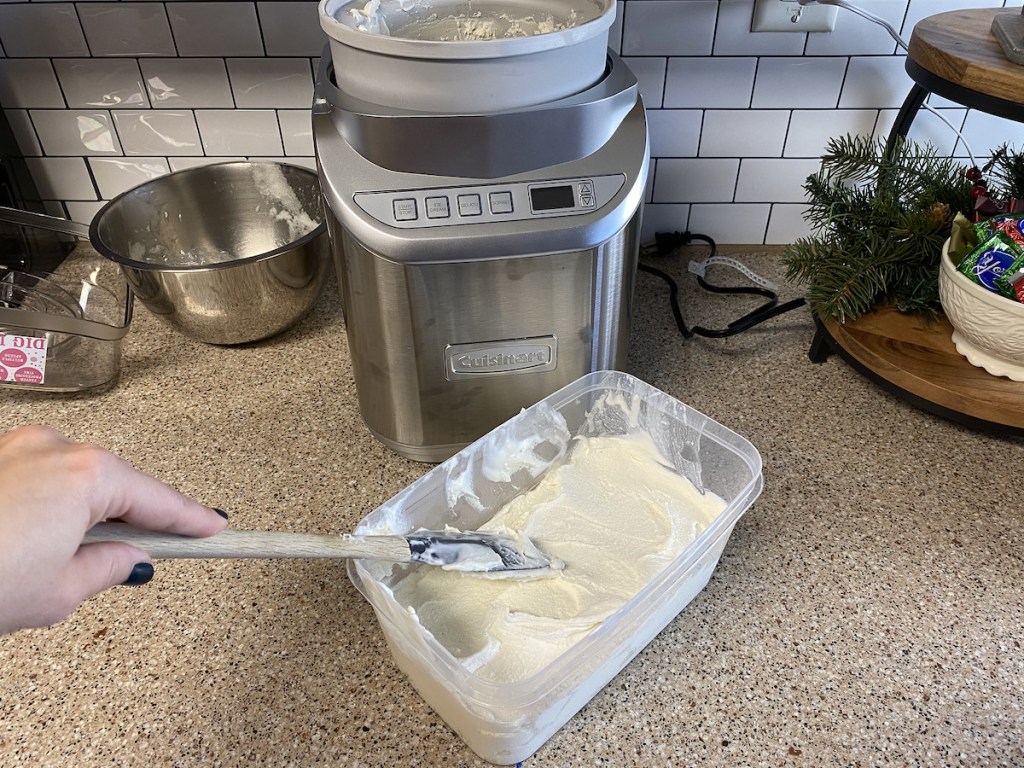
column 254, row 544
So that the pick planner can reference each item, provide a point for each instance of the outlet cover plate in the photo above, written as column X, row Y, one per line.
column 789, row 16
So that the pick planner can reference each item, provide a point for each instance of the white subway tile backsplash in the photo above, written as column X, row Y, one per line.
column 985, row 133
column 810, row 129
column 734, row 38
column 187, row 83
column 615, row 32
column 927, row 128
column 126, row 29
column 763, row 180
column 271, row 82
column 669, row 217
column 674, row 132
column 29, row 83
column 919, row 9
column 730, row 223
column 709, row 82
column 798, row 82
column 761, row 132
column 296, row 131
column 41, row 29
column 787, row 224
column 116, row 175
column 24, row 132
column 875, row 81
column 75, row 132
column 215, row 29
column 939, row 102
column 106, row 83
column 83, row 212
column 669, row 27
column 181, row 163
column 240, row 132
column 695, row 180
column 291, row 28
column 855, row 35
column 158, row 132
column 61, row 178
column 650, row 74
column 101, row 95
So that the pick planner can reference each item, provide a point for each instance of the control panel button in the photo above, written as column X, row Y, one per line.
column 404, row 209
column 585, row 192
column 469, row 205
column 437, row 208
column 501, row 202
column 497, row 204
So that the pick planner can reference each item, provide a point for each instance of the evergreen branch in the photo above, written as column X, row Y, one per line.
column 1005, row 172
column 879, row 222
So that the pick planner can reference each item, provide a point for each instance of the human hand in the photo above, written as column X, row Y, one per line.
column 52, row 490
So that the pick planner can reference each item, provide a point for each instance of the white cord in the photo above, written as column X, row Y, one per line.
column 954, row 129
column 894, row 33
column 865, row 14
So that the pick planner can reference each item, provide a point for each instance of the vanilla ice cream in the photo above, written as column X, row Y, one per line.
column 447, row 22
column 615, row 513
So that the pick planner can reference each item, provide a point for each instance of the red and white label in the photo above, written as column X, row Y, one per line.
column 22, row 358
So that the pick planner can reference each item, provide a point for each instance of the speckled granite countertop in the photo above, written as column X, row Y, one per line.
column 867, row 610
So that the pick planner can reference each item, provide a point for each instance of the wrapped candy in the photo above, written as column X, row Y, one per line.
column 962, row 239
column 1012, row 284
column 990, row 260
column 1007, row 224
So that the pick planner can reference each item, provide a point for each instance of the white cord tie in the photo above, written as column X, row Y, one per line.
column 699, row 268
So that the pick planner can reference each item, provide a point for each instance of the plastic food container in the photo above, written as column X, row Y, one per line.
column 62, row 331
column 505, row 723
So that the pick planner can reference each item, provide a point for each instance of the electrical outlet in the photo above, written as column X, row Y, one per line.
column 790, row 16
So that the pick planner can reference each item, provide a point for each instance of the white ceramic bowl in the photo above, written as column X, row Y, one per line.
column 988, row 329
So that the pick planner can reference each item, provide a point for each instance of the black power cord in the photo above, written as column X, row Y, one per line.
column 665, row 243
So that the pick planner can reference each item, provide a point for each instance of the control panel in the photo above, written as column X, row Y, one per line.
column 486, row 203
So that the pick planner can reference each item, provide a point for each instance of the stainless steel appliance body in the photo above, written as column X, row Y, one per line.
column 484, row 260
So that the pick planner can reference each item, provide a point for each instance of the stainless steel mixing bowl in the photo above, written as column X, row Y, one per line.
column 226, row 253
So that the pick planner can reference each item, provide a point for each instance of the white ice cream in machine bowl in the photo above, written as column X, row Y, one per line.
column 632, row 493
column 483, row 167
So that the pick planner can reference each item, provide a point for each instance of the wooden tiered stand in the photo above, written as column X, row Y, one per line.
column 956, row 56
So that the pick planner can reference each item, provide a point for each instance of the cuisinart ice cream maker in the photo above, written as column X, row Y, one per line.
column 486, row 258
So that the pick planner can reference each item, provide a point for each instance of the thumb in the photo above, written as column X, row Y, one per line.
column 100, row 565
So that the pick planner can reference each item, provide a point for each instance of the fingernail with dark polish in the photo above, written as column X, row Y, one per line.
column 141, row 573
column 220, row 512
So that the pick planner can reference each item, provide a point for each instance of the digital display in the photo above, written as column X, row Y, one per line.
column 552, row 198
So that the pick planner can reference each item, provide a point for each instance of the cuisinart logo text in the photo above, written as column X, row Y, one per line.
column 494, row 357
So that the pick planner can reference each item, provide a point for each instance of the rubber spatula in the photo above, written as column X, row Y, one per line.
column 455, row 550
